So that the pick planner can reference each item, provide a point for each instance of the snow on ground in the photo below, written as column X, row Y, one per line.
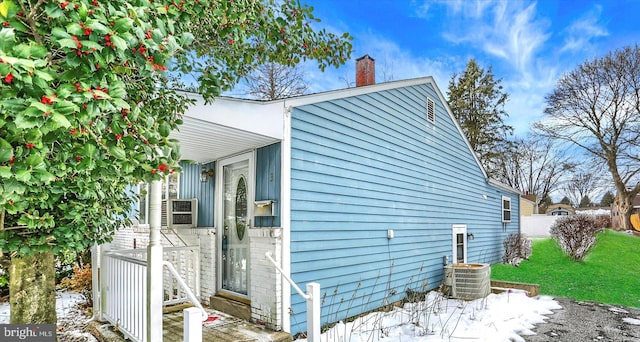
column 501, row 317
column 66, row 303
column 632, row 321
column 71, row 318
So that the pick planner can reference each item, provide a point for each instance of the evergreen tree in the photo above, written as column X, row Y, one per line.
column 546, row 201
column 607, row 199
column 585, row 202
column 477, row 101
column 565, row 200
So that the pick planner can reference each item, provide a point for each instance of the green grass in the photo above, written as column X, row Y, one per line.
column 609, row 274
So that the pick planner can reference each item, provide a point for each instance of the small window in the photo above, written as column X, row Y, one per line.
column 506, row 209
column 169, row 191
column 431, row 111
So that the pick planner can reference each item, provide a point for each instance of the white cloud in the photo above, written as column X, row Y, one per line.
column 582, row 31
column 504, row 29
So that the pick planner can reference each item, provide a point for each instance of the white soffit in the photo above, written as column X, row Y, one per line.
column 204, row 142
column 228, row 126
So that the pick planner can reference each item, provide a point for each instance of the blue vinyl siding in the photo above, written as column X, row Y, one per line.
column 192, row 187
column 268, row 178
column 365, row 164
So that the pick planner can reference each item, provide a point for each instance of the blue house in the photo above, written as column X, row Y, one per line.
column 367, row 191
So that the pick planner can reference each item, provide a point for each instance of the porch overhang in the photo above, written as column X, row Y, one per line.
column 227, row 127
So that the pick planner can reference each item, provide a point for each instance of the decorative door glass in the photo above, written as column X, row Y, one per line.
column 235, row 243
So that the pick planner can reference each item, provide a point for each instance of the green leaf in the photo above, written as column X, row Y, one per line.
column 89, row 150
column 7, row 39
column 64, row 90
column 75, row 29
column 68, row 43
column 64, row 107
column 123, row 25
column 53, row 10
column 187, row 39
column 61, row 120
column 44, row 75
column 38, row 51
column 60, row 33
column 98, row 27
column 119, row 43
column 33, row 160
column 117, row 152
column 25, row 122
column 44, row 176
column 164, row 129
column 23, row 176
column 7, row 9
column 6, row 151
column 5, row 172
column 89, row 44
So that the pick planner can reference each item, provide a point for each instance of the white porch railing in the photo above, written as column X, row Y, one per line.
column 123, row 283
column 313, row 302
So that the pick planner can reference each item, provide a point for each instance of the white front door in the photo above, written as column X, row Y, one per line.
column 459, row 243
column 235, row 203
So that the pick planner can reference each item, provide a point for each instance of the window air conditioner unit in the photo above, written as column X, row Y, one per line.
column 182, row 213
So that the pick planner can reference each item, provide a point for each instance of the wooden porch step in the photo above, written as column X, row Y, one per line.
column 232, row 307
column 224, row 329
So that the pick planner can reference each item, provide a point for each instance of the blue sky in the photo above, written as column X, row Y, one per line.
column 529, row 44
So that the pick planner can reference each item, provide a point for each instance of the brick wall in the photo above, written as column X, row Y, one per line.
column 266, row 282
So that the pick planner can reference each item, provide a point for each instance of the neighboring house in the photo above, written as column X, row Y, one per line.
column 366, row 191
column 560, row 209
column 528, row 205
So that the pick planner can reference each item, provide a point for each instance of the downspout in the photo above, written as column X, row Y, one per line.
column 285, row 218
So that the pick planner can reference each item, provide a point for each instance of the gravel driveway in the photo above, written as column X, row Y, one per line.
column 587, row 321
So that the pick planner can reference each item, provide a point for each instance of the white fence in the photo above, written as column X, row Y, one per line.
column 123, row 284
column 537, row 225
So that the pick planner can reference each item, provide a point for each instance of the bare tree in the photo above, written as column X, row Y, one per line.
column 272, row 81
column 535, row 166
column 583, row 184
column 597, row 108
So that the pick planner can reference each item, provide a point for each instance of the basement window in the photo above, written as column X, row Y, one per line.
column 506, row 209
column 431, row 111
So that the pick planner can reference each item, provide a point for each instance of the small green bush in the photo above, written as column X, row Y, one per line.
column 576, row 234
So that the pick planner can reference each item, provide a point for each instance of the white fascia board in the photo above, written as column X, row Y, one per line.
column 505, row 187
column 348, row 92
column 264, row 118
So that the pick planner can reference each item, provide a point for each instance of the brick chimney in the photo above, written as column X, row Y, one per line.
column 365, row 71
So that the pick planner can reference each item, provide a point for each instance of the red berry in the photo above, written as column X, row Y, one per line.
column 163, row 167
column 8, row 78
